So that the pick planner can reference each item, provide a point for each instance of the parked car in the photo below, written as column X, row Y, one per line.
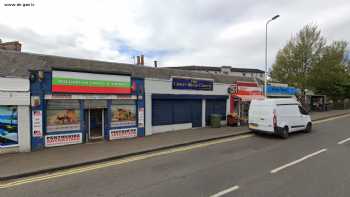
column 278, row 116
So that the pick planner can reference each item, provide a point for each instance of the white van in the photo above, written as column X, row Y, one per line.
column 278, row 116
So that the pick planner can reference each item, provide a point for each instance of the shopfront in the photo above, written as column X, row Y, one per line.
column 14, row 115
column 78, row 107
column 242, row 93
column 182, row 103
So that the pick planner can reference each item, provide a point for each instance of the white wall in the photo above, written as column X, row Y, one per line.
column 15, row 92
column 172, row 127
column 163, row 86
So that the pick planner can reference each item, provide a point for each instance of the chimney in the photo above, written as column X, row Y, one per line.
column 138, row 60
column 142, row 60
column 11, row 46
column 155, row 63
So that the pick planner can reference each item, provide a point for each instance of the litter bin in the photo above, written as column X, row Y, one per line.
column 215, row 120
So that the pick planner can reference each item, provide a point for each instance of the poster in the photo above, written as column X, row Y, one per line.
column 122, row 133
column 123, row 115
column 63, row 120
column 37, row 123
column 63, row 139
column 141, row 117
column 8, row 126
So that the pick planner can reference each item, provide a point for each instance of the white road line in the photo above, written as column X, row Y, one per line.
column 343, row 141
column 297, row 161
column 231, row 189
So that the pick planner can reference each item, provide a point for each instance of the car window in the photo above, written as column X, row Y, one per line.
column 302, row 110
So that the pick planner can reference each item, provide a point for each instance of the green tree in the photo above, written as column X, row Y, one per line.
column 297, row 58
column 329, row 76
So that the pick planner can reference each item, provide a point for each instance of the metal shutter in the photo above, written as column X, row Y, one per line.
column 162, row 112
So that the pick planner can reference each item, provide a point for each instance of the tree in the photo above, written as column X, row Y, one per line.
column 329, row 76
column 297, row 58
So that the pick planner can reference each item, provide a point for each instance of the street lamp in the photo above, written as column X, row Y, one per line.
column 273, row 18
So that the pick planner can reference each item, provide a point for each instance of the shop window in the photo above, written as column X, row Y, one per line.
column 63, row 115
column 8, row 126
column 123, row 113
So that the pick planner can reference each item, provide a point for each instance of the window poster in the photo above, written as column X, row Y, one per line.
column 63, row 120
column 123, row 115
column 8, row 126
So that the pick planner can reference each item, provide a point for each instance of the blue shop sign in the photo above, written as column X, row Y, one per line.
column 192, row 84
column 275, row 90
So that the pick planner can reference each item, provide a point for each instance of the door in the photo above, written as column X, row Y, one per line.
column 196, row 113
column 96, row 124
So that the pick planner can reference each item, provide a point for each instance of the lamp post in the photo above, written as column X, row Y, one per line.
column 265, row 87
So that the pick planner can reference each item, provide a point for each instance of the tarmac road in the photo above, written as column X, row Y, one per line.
column 313, row 164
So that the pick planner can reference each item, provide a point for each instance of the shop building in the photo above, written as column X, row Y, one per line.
column 242, row 93
column 183, row 102
column 14, row 115
column 77, row 101
column 78, row 107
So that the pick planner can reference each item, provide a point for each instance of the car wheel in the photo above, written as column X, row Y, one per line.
column 284, row 132
column 308, row 127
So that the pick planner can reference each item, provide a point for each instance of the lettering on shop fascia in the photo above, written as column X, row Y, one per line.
column 50, row 96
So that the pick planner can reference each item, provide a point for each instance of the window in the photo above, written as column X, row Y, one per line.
column 302, row 110
column 123, row 113
column 8, row 126
column 63, row 115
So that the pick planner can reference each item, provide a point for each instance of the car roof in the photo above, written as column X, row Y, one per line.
column 276, row 101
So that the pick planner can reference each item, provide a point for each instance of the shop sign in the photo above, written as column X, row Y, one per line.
column 63, row 139
column 276, row 90
column 89, row 97
column 77, row 82
column 37, row 123
column 63, row 120
column 122, row 133
column 192, row 84
column 123, row 115
column 141, row 116
column 8, row 126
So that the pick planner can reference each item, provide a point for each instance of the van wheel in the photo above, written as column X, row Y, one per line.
column 308, row 128
column 284, row 132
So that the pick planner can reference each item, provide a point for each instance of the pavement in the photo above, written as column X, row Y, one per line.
column 314, row 164
column 17, row 165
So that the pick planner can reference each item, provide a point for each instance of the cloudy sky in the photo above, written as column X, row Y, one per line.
column 174, row 32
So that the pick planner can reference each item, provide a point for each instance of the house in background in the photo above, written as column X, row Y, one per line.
column 226, row 70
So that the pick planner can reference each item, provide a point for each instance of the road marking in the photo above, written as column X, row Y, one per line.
column 297, row 161
column 343, row 141
column 231, row 189
column 329, row 119
column 79, row 170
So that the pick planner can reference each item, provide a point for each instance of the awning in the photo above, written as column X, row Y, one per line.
column 250, row 97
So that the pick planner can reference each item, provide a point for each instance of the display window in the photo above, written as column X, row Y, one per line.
column 8, row 126
column 63, row 115
column 123, row 113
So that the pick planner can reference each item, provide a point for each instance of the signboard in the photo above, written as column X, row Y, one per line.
column 63, row 120
column 192, row 84
column 8, row 126
column 123, row 115
column 63, row 139
column 122, row 133
column 77, row 82
column 37, row 123
column 89, row 97
column 141, row 116
column 277, row 90
column 248, row 91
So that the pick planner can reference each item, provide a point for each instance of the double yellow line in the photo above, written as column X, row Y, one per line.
column 117, row 162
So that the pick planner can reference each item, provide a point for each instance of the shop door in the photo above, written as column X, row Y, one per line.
column 96, row 124
column 196, row 113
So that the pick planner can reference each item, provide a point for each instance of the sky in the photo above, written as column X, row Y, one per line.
column 173, row 32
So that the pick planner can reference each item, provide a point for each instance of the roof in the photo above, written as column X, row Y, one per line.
column 212, row 68
column 18, row 64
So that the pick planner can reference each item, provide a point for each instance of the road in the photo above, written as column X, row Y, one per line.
column 313, row 164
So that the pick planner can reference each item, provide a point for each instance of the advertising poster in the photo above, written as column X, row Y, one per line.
column 122, row 133
column 141, row 117
column 8, row 126
column 63, row 139
column 63, row 120
column 37, row 123
column 123, row 115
